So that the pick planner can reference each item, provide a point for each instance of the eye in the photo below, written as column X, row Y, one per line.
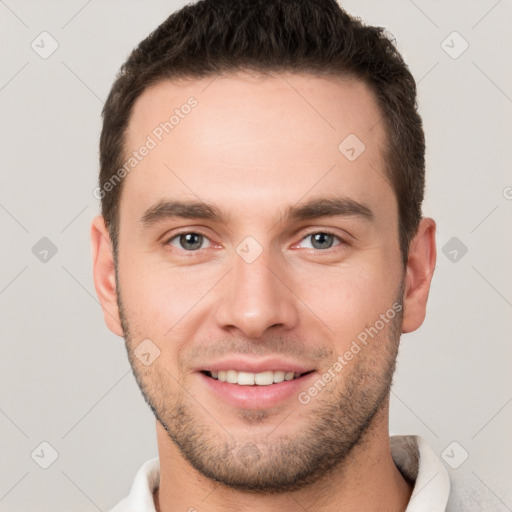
column 322, row 240
column 189, row 241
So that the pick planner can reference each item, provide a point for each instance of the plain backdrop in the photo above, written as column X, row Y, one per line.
column 65, row 380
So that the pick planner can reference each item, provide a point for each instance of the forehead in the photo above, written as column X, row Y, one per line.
column 249, row 142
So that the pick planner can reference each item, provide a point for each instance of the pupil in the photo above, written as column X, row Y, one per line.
column 191, row 241
column 321, row 239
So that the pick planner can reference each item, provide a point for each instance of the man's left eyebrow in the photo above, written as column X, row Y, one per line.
column 332, row 206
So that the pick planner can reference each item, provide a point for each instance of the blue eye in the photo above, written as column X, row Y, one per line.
column 322, row 240
column 191, row 241
column 188, row 241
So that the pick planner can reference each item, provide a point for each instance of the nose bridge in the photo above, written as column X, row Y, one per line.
column 254, row 298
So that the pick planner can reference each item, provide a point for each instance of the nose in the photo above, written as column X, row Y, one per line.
column 255, row 297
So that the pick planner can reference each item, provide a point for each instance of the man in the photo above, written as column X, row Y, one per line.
column 261, row 248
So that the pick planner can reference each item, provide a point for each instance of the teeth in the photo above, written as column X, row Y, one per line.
column 251, row 379
column 278, row 376
column 244, row 378
column 264, row 378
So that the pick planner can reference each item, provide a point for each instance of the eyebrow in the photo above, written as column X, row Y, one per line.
column 313, row 209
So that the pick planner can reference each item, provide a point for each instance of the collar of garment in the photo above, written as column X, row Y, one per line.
column 412, row 455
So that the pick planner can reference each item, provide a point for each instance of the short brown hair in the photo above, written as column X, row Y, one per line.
column 212, row 37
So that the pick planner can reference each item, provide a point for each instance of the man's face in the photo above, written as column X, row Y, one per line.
column 260, row 291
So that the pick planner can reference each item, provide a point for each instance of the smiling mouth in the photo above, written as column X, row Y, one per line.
column 254, row 379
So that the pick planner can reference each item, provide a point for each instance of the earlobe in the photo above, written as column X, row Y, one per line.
column 419, row 272
column 104, row 274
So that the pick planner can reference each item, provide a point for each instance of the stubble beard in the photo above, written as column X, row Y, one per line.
column 341, row 418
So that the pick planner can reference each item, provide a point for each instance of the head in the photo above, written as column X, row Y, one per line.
column 262, row 174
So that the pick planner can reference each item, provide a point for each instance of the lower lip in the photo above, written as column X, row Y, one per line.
column 257, row 397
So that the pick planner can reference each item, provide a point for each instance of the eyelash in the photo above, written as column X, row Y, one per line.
column 324, row 232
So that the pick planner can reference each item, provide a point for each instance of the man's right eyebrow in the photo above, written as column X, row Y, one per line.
column 180, row 209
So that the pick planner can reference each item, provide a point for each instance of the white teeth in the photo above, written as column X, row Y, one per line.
column 231, row 376
column 250, row 379
column 278, row 377
column 264, row 378
column 245, row 378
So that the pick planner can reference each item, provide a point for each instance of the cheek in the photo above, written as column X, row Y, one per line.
column 160, row 301
column 348, row 299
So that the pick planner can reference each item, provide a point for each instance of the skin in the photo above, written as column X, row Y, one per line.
column 254, row 147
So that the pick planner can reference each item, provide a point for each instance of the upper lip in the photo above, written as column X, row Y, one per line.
column 255, row 365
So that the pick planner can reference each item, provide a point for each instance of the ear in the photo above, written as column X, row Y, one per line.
column 421, row 263
column 104, row 274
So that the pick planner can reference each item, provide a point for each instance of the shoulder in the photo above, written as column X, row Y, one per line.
column 471, row 493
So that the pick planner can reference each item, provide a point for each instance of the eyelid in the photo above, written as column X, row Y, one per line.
column 326, row 231
column 173, row 232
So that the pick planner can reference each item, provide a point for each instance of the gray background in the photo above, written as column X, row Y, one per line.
column 66, row 380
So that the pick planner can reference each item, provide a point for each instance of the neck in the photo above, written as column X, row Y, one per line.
column 368, row 480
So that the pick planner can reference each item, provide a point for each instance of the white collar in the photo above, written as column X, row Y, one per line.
column 412, row 455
